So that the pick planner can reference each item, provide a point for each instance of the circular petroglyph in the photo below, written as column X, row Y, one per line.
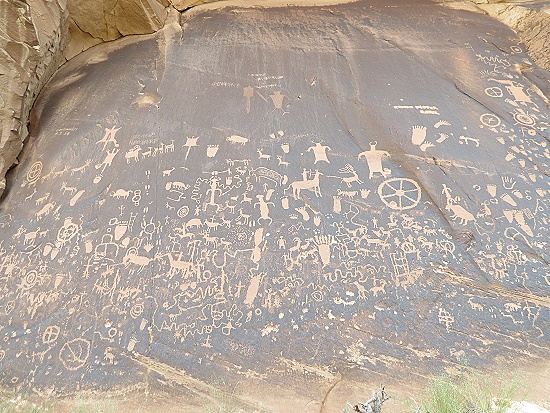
column 183, row 211
column 34, row 172
column 74, row 353
column 490, row 120
column 399, row 193
column 494, row 92
column 50, row 335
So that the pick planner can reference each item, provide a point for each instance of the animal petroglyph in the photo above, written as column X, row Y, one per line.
column 237, row 216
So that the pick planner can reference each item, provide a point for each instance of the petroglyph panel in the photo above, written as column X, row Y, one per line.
column 342, row 204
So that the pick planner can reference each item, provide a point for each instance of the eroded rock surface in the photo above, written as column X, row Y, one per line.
column 29, row 54
column 286, row 196
column 531, row 22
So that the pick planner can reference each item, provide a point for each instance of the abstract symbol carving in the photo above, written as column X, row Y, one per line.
column 34, row 172
column 74, row 353
column 489, row 120
column 399, row 193
column 50, row 335
column 183, row 211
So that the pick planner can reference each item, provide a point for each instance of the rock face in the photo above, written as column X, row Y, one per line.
column 292, row 196
column 29, row 54
column 93, row 22
column 532, row 23
column 41, row 34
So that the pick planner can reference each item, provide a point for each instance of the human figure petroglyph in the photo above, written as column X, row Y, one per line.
column 517, row 90
column 278, row 98
column 374, row 160
column 320, row 152
column 108, row 160
column 109, row 137
column 212, row 191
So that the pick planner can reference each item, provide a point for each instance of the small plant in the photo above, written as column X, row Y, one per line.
column 17, row 403
column 468, row 394
column 223, row 399
column 373, row 405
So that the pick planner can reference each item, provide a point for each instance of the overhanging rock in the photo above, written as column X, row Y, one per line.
column 287, row 193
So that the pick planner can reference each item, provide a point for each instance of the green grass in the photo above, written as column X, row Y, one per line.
column 13, row 403
column 223, row 399
column 469, row 393
column 21, row 403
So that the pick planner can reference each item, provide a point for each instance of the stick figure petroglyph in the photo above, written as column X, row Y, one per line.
column 108, row 160
column 109, row 137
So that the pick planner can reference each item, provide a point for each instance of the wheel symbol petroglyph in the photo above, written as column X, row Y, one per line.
column 399, row 193
column 494, row 92
column 74, row 353
column 490, row 120
column 50, row 335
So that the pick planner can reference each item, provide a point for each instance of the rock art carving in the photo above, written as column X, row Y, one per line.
column 243, row 233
